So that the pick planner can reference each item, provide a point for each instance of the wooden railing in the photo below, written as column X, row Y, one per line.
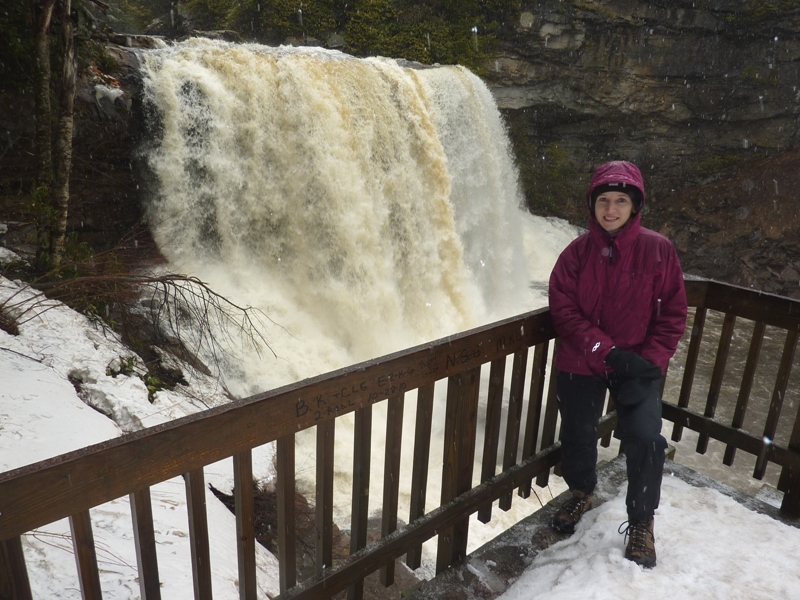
column 71, row 484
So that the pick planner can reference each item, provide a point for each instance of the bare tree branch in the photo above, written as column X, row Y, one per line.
column 182, row 310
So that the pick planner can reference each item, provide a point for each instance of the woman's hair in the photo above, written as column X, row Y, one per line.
column 633, row 192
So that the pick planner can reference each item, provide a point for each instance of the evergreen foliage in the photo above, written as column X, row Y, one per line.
column 442, row 31
column 437, row 31
column 16, row 44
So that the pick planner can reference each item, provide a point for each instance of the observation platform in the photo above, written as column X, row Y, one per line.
column 490, row 570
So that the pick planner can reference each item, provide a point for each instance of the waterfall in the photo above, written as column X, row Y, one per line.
column 362, row 205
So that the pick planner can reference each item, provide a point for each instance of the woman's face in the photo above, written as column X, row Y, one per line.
column 613, row 210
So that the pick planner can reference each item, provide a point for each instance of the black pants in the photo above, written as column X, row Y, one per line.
column 580, row 401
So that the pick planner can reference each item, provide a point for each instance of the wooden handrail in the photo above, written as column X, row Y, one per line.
column 96, row 474
column 71, row 484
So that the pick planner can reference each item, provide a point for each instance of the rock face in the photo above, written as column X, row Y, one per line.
column 704, row 96
column 684, row 89
column 743, row 229
column 105, row 187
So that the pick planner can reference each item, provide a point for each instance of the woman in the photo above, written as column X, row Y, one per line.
column 618, row 303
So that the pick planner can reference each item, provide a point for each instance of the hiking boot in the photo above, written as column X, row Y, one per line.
column 571, row 512
column 641, row 547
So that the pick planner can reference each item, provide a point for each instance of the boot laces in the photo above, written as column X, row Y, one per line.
column 637, row 532
column 574, row 506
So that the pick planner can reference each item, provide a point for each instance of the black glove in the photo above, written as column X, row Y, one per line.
column 630, row 365
column 637, row 376
column 633, row 390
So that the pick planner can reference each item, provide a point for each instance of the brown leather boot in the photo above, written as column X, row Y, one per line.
column 641, row 547
column 571, row 512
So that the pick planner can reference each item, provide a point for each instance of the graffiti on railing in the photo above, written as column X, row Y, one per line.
column 463, row 357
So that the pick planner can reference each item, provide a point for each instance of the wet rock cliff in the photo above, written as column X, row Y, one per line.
column 685, row 89
column 704, row 95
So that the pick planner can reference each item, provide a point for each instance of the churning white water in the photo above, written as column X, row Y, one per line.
column 362, row 205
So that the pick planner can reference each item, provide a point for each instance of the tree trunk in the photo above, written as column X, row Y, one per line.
column 63, row 148
column 42, row 14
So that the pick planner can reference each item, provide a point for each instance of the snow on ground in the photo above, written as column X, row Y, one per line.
column 709, row 546
column 42, row 415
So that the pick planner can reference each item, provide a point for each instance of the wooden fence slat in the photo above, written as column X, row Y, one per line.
column 690, row 367
column 491, row 435
column 461, row 421
column 244, row 502
column 466, row 463
column 746, row 387
column 778, row 395
column 717, row 375
column 550, row 418
column 287, row 513
column 359, row 516
column 444, row 552
column 198, row 534
column 419, row 471
column 391, row 477
column 145, row 539
column 535, row 397
column 514, row 417
column 14, row 581
column 789, row 480
column 605, row 441
column 790, row 505
column 326, row 436
column 80, row 525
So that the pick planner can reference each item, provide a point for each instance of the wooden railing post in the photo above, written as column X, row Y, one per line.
column 791, row 495
column 419, row 471
column 535, row 397
column 461, row 420
column 144, row 535
column 245, row 524
column 491, row 436
column 789, row 480
column 287, row 539
column 514, row 417
column 362, row 454
column 690, row 368
column 198, row 533
column 85, row 555
column 14, row 583
column 326, row 435
column 391, row 477
column 550, row 418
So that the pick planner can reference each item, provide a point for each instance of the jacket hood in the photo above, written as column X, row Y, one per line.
column 617, row 171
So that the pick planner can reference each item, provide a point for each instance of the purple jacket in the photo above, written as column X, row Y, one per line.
column 625, row 291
